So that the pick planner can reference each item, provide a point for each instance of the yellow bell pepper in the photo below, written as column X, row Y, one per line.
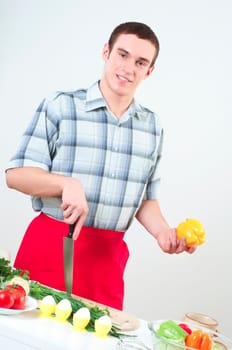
column 193, row 232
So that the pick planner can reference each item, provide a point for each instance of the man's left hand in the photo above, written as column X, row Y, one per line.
column 168, row 242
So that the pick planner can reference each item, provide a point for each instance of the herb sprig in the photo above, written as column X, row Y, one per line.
column 7, row 272
column 39, row 291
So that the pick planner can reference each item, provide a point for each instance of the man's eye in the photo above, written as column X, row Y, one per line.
column 141, row 63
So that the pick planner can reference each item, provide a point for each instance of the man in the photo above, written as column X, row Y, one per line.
column 91, row 158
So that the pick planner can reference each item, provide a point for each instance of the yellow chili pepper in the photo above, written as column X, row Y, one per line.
column 193, row 232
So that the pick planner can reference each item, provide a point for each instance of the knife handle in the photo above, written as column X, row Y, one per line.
column 71, row 230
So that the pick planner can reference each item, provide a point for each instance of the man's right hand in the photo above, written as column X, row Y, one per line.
column 37, row 182
column 74, row 205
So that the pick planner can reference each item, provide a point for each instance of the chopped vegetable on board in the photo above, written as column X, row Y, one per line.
column 39, row 291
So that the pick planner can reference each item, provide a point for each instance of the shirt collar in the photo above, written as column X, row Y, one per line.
column 95, row 100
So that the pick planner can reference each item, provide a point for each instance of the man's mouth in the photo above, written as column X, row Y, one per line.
column 121, row 77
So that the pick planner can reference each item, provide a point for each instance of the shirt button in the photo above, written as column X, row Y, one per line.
column 112, row 175
column 116, row 149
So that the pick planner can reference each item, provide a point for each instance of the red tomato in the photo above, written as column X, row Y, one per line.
column 16, row 287
column 19, row 295
column 6, row 299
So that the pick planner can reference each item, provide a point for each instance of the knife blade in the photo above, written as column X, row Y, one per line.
column 68, row 245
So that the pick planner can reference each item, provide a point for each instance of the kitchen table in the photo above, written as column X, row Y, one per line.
column 28, row 331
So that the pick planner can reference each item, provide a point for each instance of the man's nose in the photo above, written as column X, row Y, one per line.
column 128, row 65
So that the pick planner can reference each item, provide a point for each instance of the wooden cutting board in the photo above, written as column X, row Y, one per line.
column 123, row 320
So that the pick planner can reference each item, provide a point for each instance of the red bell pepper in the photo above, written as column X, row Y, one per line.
column 185, row 327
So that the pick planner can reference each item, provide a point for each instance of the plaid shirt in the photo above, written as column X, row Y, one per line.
column 116, row 160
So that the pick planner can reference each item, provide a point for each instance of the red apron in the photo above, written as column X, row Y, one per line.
column 100, row 258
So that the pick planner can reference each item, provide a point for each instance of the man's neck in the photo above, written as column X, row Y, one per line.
column 117, row 104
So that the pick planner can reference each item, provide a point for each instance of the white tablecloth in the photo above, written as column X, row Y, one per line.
column 28, row 331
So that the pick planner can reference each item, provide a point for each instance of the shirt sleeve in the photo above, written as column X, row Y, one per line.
column 37, row 144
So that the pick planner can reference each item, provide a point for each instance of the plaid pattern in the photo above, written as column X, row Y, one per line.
column 117, row 161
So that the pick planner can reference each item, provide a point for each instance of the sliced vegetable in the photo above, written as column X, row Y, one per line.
column 171, row 330
column 39, row 291
column 63, row 310
column 194, row 339
column 206, row 342
column 185, row 327
column 103, row 326
column 47, row 306
column 17, row 280
column 193, row 232
column 199, row 340
column 81, row 318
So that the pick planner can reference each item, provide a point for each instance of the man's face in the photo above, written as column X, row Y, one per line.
column 127, row 64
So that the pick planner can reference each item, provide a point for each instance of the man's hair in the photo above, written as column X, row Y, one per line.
column 141, row 30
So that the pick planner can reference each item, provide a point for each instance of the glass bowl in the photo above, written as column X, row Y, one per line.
column 220, row 342
column 201, row 319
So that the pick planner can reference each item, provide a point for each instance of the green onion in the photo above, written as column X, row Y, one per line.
column 39, row 291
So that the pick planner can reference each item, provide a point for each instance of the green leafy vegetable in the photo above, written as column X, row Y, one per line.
column 7, row 272
column 39, row 291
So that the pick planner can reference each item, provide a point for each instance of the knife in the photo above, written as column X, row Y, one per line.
column 68, row 245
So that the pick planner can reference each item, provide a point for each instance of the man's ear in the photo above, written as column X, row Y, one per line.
column 105, row 52
column 150, row 70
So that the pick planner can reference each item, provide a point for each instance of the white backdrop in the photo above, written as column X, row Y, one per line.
column 48, row 45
